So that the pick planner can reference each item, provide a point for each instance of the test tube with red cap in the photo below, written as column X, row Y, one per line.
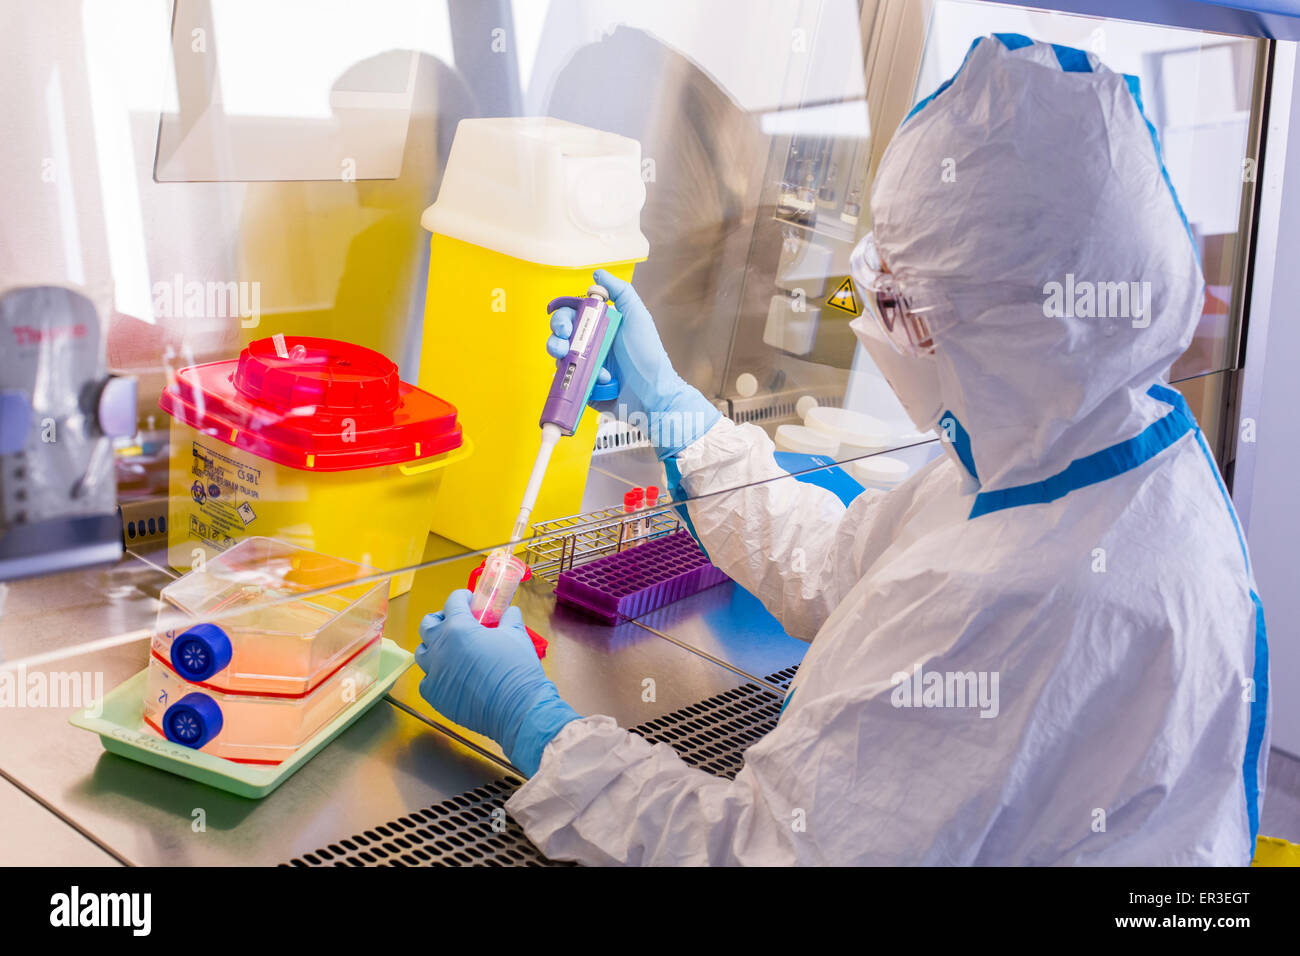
column 495, row 591
column 632, row 503
column 651, row 499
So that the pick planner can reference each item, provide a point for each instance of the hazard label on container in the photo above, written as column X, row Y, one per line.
column 844, row 298
column 220, row 482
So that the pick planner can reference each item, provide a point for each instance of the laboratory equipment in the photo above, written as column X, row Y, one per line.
column 119, row 721
column 60, row 409
column 633, row 501
column 804, row 403
column 540, row 644
column 878, row 471
column 576, row 373
column 571, row 386
column 241, row 621
column 857, row 433
column 495, row 589
column 528, row 208
column 563, row 543
column 249, row 659
column 252, row 727
column 677, row 412
column 636, row 581
column 311, row 440
column 806, row 441
column 791, row 324
column 651, row 501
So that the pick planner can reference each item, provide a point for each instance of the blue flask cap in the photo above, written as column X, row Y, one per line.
column 200, row 652
column 192, row 721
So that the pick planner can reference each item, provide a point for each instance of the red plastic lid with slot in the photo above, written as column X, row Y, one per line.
column 314, row 404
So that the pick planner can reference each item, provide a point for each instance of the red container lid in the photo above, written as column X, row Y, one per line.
column 632, row 499
column 322, row 405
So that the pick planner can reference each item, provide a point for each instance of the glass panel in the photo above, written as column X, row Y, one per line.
column 1198, row 90
column 238, row 196
column 233, row 196
column 336, row 102
column 181, row 187
column 1207, row 396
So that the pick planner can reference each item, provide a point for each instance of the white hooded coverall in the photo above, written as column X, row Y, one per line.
column 1076, row 541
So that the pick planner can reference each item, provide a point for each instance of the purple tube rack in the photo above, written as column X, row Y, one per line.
column 640, row 579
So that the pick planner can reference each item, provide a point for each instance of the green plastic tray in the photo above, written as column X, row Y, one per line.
column 121, row 728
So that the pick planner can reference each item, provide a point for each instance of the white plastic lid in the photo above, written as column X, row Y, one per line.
column 848, row 427
column 805, row 441
column 878, row 471
column 542, row 190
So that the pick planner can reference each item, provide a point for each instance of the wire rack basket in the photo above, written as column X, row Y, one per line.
column 563, row 543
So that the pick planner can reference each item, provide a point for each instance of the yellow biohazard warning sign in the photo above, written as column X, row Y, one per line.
column 844, row 298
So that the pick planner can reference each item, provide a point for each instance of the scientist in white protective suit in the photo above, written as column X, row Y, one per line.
column 1075, row 540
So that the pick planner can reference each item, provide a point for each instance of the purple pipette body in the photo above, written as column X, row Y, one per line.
column 575, row 375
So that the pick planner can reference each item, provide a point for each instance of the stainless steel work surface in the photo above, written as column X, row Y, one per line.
column 730, row 624
column 30, row 835
column 61, row 612
column 625, row 671
column 399, row 757
column 382, row 766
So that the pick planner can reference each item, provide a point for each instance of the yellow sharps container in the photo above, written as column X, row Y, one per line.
column 528, row 208
column 311, row 441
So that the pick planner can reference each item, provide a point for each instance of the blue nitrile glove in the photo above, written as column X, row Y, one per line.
column 489, row 680
column 677, row 413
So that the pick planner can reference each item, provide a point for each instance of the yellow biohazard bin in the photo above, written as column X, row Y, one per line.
column 529, row 207
column 310, row 441
column 1274, row 851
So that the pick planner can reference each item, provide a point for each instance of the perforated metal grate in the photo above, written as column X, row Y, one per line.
column 473, row 829
column 776, row 408
column 782, row 678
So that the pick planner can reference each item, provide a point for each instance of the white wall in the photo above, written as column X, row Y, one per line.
column 1267, row 476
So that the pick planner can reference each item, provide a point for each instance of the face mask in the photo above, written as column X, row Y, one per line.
column 914, row 379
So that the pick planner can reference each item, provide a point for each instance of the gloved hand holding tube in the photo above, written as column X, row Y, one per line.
column 489, row 680
column 678, row 413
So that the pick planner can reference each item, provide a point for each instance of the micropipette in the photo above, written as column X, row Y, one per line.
column 575, row 377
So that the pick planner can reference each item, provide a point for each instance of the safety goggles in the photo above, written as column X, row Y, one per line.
column 906, row 319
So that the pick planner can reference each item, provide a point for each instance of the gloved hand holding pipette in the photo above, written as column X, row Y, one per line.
column 678, row 413
column 489, row 680
column 577, row 371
